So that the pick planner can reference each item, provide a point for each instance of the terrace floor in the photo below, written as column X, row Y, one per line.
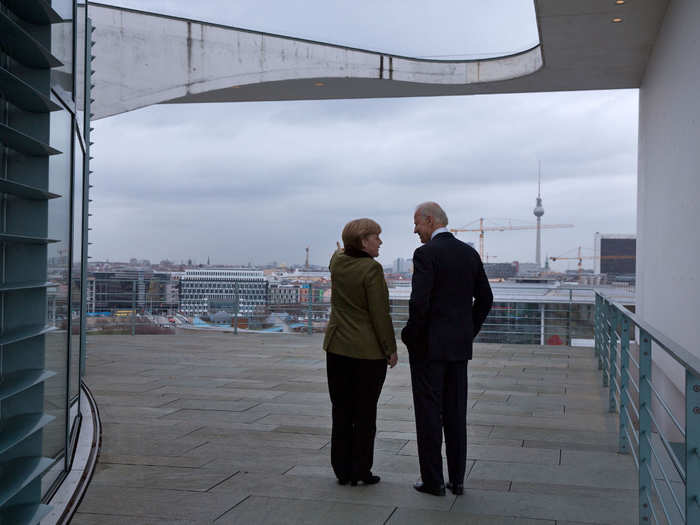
column 203, row 427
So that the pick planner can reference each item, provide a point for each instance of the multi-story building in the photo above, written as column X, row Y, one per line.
column 140, row 290
column 283, row 294
column 615, row 254
column 501, row 270
column 401, row 265
column 244, row 287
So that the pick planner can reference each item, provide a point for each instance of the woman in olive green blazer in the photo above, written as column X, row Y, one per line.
column 359, row 342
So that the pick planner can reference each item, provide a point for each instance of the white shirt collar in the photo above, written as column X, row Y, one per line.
column 439, row 230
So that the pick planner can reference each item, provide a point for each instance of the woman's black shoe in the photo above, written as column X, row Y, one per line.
column 343, row 481
column 370, row 479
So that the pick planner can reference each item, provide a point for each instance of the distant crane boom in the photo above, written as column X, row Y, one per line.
column 482, row 229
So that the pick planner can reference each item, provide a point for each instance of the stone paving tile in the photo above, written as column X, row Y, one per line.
column 154, row 460
column 585, row 475
column 278, row 511
column 326, row 489
column 237, row 405
column 420, row 517
column 158, row 477
column 83, row 518
column 603, row 447
column 160, row 504
column 242, row 423
column 610, row 509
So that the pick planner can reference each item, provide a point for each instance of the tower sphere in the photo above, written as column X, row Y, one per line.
column 539, row 210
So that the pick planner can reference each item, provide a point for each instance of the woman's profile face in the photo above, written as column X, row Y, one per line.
column 371, row 244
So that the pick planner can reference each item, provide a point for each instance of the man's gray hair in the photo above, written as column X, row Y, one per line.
column 432, row 209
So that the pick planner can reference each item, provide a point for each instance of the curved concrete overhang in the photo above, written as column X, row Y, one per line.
column 145, row 58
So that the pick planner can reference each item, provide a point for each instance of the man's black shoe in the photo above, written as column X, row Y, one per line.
column 435, row 491
column 457, row 489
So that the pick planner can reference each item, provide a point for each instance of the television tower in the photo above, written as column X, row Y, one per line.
column 539, row 211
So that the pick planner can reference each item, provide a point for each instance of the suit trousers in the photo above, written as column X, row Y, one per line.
column 440, row 402
column 354, row 386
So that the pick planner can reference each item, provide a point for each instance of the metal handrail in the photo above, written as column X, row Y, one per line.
column 656, row 488
column 668, row 482
column 682, row 356
column 665, row 406
column 614, row 329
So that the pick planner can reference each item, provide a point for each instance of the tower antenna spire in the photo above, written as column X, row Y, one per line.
column 539, row 211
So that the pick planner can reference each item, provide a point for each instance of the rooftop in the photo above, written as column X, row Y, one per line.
column 203, row 427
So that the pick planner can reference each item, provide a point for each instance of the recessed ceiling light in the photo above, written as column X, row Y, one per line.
column 616, row 20
column 319, row 84
column 619, row 2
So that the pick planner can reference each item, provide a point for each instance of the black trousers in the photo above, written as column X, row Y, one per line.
column 440, row 402
column 354, row 386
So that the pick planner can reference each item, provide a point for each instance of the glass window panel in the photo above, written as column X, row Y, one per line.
column 80, row 23
column 62, row 47
column 76, row 265
column 57, row 297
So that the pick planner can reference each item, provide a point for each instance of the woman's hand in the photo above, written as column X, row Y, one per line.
column 393, row 359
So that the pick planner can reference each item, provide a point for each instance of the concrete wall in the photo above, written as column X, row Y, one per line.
column 668, row 211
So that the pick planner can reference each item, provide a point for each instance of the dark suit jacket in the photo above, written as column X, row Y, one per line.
column 447, row 275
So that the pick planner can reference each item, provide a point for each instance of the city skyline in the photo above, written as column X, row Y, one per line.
column 290, row 174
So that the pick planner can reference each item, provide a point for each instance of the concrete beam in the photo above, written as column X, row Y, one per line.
column 144, row 59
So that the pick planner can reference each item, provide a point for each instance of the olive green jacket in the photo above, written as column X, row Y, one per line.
column 359, row 325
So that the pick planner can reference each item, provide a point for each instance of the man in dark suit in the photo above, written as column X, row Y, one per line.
column 447, row 276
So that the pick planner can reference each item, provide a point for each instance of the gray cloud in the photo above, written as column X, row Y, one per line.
column 260, row 181
column 237, row 182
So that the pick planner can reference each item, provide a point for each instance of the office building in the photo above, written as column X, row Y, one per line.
column 615, row 255
column 224, row 288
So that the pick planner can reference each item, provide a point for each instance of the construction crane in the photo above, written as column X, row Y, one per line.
column 580, row 259
column 482, row 229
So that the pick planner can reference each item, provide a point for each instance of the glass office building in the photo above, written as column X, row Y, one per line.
column 44, row 166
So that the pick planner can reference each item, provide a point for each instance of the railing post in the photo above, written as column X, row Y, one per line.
column 612, row 357
column 598, row 334
column 133, row 307
column 235, row 309
column 692, row 447
column 542, row 327
column 309, row 310
column 568, row 322
column 623, row 446
column 644, row 426
column 606, row 343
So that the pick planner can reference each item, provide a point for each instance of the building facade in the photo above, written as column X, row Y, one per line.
column 283, row 294
column 44, row 171
column 615, row 255
column 243, row 287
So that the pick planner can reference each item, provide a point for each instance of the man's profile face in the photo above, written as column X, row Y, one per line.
column 424, row 226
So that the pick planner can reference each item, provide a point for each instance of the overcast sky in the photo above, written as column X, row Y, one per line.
column 258, row 182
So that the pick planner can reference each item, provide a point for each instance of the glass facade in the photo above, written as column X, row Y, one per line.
column 43, row 102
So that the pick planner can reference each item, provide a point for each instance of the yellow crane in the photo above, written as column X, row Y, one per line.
column 580, row 259
column 482, row 229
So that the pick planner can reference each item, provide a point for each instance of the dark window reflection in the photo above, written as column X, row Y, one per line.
column 76, row 264
column 57, row 297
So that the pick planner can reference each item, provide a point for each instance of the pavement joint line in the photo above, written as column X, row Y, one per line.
column 190, row 432
column 390, row 515
column 229, row 510
column 195, row 447
column 223, row 481
column 246, row 410
column 290, row 468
